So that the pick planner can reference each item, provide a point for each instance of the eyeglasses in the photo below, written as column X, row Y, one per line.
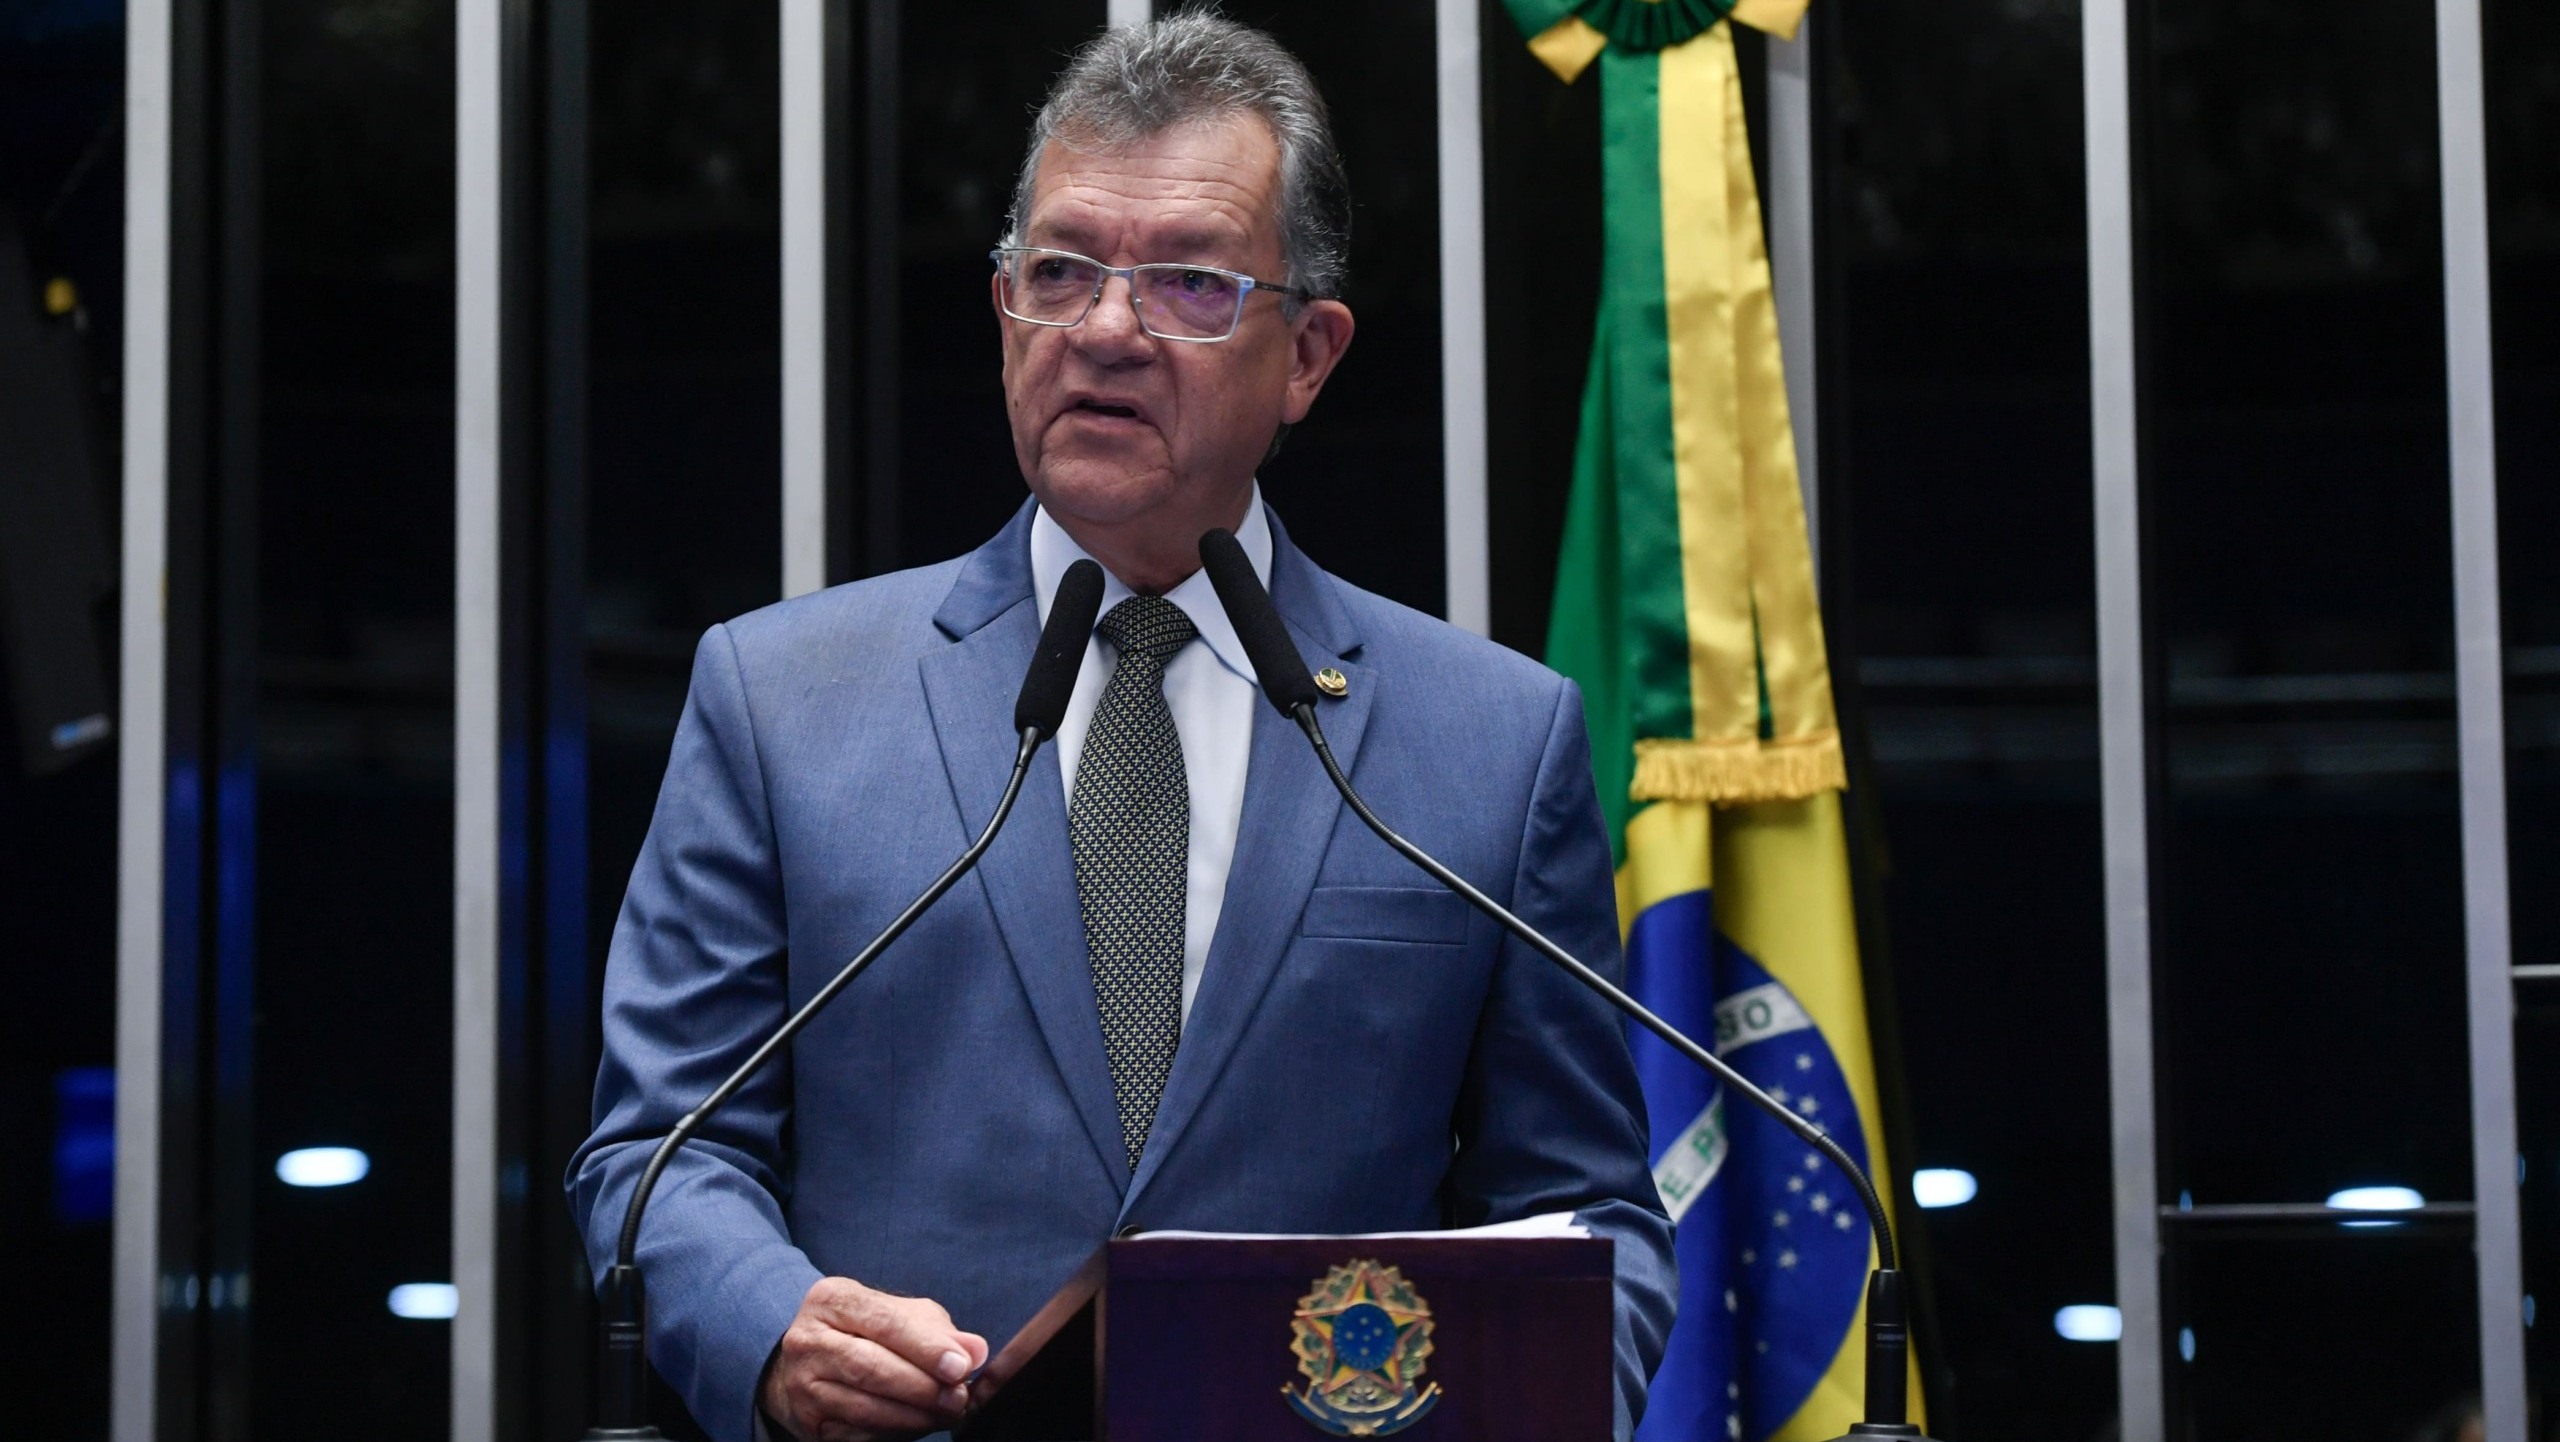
column 1196, row 303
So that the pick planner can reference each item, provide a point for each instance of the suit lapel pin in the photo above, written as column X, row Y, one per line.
column 1333, row 683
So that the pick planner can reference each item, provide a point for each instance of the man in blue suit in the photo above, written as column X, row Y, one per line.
column 1185, row 988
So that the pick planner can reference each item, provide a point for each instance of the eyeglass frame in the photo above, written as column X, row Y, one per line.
column 1247, row 285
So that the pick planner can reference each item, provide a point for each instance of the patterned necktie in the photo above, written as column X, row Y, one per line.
column 1130, row 829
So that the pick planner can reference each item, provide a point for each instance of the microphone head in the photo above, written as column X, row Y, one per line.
column 1276, row 662
column 1052, row 677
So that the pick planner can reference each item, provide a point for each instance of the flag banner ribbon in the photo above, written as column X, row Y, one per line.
column 1686, row 555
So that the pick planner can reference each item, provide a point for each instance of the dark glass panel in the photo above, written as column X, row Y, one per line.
column 2357, row 1334
column 2522, row 52
column 2309, row 930
column 61, row 218
column 341, row 269
column 1542, row 290
column 684, row 471
column 2538, row 1173
column 2300, row 569
column 1958, row 578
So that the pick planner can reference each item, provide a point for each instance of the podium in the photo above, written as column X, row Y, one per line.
column 1431, row 1338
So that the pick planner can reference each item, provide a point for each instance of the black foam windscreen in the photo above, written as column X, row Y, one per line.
column 1052, row 677
column 1276, row 662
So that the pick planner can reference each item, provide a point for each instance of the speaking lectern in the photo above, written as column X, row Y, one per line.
column 1433, row 1337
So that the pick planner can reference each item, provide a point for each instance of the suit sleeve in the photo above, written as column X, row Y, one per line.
column 696, row 977
column 1551, row 1118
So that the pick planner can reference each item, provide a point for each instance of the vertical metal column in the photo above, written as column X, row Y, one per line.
column 142, row 722
column 1790, row 191
column 2480, row 701
column 480, row 41
column 804, row 296
column 2106, row 70
column 1466, row 537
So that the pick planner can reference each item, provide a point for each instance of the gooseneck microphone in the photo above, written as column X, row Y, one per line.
column 1283, row 675
column 1037, row 710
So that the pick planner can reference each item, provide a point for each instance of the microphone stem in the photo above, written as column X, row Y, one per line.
column 1811, row 1135
column 628, row 1248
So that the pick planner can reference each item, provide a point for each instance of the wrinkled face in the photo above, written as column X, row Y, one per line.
column 1119, row 429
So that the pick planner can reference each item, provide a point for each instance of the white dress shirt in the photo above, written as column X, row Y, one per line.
column 1209, row 687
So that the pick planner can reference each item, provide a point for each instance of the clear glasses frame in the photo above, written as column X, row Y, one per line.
column 1008, row 257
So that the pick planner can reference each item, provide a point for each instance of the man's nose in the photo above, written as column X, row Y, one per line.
column 1111, row 332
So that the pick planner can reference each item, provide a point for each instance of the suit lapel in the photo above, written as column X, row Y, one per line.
column 1028, row 874
column 1290, row 809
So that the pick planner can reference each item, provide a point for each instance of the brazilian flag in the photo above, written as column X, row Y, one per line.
column 1685, row 608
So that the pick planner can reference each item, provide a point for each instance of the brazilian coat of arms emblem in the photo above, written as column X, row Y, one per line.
column 1361, row 1338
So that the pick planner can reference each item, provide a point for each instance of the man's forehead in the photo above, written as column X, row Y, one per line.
column 1200, row 184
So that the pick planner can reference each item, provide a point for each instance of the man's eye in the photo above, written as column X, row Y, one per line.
column 1049, row 269
column 1200, row 282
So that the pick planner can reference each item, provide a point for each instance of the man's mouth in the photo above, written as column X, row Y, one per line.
column 1105, row 408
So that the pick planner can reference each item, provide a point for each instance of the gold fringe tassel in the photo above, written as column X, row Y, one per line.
column 1738, row 771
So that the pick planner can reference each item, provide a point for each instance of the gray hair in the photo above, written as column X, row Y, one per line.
column 1136, row 82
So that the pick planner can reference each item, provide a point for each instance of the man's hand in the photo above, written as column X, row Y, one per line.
column 858, row 1365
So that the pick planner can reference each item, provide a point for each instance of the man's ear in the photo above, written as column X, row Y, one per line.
column 1318, row 339
column 995, row 303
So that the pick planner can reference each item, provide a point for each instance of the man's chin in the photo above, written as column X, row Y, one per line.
column 1103, row 490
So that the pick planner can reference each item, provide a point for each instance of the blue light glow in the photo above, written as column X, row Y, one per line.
column 322, row 1167
column 2186, row 1344
column 84, row 1145
column 2377, row 1199
column 1942, row 1187
column 426, row 1301
column 2086, row 1322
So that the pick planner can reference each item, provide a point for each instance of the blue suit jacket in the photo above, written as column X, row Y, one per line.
column 1365, row 1053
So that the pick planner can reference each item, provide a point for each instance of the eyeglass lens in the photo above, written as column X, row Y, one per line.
column 1171, row 300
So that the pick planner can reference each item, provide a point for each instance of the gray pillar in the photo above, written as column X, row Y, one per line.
column 480, row 41
column 2479, row 689
column 2125, row 830
column 142, row 753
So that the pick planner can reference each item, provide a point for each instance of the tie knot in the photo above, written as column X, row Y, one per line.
column 1148, row 626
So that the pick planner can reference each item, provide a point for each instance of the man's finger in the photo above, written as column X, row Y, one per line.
column 913, row 1328
column 867, row 1366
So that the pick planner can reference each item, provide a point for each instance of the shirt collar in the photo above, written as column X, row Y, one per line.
column 1053, row 551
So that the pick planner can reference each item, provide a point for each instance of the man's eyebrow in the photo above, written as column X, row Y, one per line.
column 1187, row 243
column 1191, row 241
